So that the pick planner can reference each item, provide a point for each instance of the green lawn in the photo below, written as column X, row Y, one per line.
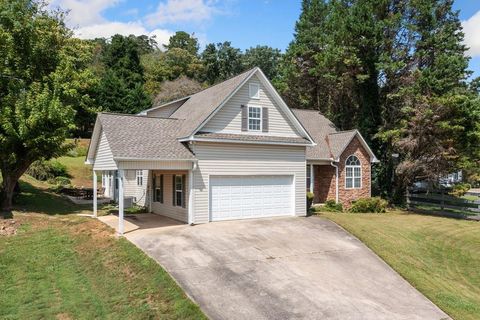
column 62, row 266
column 439, row 256
column 80, row 172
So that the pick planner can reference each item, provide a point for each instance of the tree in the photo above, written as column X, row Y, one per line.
column 176, row 89
column 183, row 40
column 38, row 56
column 264, row 57
column 221, row 61
column 396, row 70
column 121, row 88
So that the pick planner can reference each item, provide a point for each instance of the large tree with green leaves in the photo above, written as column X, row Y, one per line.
column 40, row 75
column 264, row 57
column 183, row 40
column 396, row 70
column 121, row 89
column 221, row 61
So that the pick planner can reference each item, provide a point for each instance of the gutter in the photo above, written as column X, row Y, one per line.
column 336, row 180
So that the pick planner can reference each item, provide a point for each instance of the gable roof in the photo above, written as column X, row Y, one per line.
column 331, row 142
column 200, row 105
column 138, row 137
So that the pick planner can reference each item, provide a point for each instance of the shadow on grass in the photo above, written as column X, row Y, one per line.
column 34, row 199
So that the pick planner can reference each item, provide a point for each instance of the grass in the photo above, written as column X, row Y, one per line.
column 80, row 172
column 439, row 256
column 61, row 265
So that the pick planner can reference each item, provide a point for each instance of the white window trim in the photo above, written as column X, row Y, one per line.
column 181, row 190
column 139, row 175
column 251, row 90
column 261, row 118
column 353, row 173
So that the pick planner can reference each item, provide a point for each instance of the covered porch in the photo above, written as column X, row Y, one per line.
column 162, row 187
column 322, row 180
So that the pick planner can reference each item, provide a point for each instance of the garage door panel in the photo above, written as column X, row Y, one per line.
column 240, row 197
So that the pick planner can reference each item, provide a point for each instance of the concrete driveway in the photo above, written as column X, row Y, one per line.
column 282, row 268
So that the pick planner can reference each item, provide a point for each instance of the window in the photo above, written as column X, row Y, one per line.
column 179, row 191
column 353, row 173
column 254, row 90
column 254, row 118
column 309, row 177
column 158, row 188
column 139, row 176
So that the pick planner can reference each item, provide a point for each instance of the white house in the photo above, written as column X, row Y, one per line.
column 232, row 151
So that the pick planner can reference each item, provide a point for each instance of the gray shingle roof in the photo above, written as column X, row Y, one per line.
column 139, row 137
column 318, row 127
column 338, row 141
column 243, row 137
column 200, row 105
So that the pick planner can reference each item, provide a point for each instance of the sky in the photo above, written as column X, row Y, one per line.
column 246, row 23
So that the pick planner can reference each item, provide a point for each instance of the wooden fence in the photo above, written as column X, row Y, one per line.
column 439, row 201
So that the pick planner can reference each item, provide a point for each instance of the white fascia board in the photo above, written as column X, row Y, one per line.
column 223, row 102
column 245, row 142
column 298, row 125
column 144, row 112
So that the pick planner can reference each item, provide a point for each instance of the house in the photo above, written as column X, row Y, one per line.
column 232, row 151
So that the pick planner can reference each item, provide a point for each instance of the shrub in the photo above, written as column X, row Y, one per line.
column 78, row 151
column 310, row 197
column 369, row 205
column 460, row 189
column 332, row 206
column 45, row 170
column 60, row 181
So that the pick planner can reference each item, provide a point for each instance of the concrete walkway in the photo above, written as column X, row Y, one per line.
column 283, row 268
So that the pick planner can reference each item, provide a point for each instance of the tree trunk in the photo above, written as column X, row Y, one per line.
column 8, row 187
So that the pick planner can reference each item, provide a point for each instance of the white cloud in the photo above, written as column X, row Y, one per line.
column 174, row 11
column 84, row 12
column 471, row 28
column 108, row 29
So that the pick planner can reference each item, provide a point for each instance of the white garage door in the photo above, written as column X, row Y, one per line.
column 242, row 197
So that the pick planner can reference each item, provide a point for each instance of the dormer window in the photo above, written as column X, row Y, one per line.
column 254, row 90
column 254, row 118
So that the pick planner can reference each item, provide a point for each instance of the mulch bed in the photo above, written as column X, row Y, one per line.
column 8, row 227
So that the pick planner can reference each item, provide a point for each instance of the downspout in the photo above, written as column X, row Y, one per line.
column 336, row 180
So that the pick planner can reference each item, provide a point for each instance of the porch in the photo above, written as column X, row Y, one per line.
column 163, row 188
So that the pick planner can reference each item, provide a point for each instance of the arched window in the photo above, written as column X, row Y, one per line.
column 353, row 173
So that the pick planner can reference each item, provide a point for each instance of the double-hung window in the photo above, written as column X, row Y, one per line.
column 158, row 188
column 353, row 173
column 179, row 190
column 254, row 118
column 139, row 176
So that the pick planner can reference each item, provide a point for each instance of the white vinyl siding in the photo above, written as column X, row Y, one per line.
column 104, row 157
column 167, row 208
column 216, row 159
column 156, row 164
column 166, row 111
column 229, row 118
column 133, row 190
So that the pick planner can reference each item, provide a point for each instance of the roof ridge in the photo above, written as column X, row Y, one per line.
column 343, row 131
column 135, row 115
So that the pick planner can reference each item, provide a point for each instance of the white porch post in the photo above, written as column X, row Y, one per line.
column 190, row 196
column 95, row 193
column 121, row 227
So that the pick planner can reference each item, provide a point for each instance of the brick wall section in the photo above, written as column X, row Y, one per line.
column 324, row 184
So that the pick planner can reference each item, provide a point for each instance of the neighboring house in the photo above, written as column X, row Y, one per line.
column 232, row 151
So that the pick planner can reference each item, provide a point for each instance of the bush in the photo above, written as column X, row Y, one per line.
column 60, row 181
column 369, row 205
column 310, row 197
column 78, row 151
column 460, row 189
column 46, row 170
column 332, row 206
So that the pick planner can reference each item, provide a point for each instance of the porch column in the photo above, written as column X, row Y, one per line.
column 95, row 194
column 121, row 227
